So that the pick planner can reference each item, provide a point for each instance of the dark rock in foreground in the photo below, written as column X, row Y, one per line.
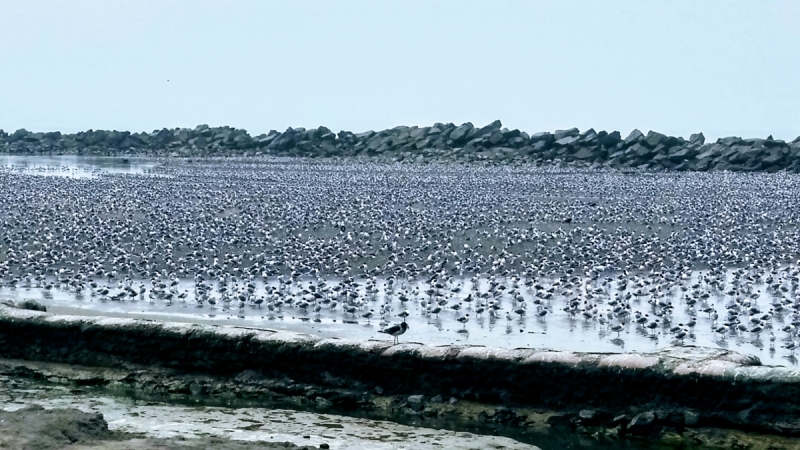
column 449, row 142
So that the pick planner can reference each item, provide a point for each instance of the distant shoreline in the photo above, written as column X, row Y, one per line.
column 491, row 144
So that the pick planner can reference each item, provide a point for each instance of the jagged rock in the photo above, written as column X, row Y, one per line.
column 691, row 418
column 642, row 152
column 609, row 139
column 540, row 146
column 495, row 138
column 488, row 129
column 586, row 415
column 729, row 141
column 510, row 134
column 659, row 158
column 634, row 137
column 743, row 154
column 588, row 137
column 416, row 402
column 561, row 134
column 753, row 142
column 584, row 154
column 653, row 139
column 642, row 423
column 447, row 141
column 683, row 154
column 545, row 137
column 503, row 415
column 365, row 135
column 462, row 134
column 17, row 135
column 517, row 142
column 771, row 143
column 773, row 158
column 566, row 141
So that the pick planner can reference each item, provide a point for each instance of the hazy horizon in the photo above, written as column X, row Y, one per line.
column 679, row 67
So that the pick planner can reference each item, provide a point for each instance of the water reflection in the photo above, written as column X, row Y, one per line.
column 74, row 166
column 558, row 330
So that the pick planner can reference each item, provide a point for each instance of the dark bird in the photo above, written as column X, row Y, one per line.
column 395, row 330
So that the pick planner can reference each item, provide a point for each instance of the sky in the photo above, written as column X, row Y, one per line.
column 723, row 67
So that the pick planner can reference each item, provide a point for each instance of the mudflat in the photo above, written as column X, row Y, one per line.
column 37, row 428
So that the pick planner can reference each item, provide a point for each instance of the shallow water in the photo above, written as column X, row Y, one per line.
column 161, row 420
column 557, row 330
column 73, row 166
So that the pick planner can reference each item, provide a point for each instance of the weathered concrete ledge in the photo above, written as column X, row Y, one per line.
column 711, row 387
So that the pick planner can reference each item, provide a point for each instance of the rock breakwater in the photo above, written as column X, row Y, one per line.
column 441, row 142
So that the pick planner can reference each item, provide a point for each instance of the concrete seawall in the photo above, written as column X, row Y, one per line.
column 706, row 387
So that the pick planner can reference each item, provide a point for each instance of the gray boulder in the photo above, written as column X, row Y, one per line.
column 540, row 146
column 496, row 137
column 365, row 135
column 634, row 137
column 744, row 154
column 769, row 142
column 729, row 141
column 462, row 134
column 517, row 142
column 488, row 129
column 642, row 152
column 435, row 130
column 416, row 402
column 561, row 134
column 418, row 133
column 642, row 423
column 588, row 136
column 542, row 136
column 584, row 154
column 697, row 138
column 691, row 418
column 653, row 139
column 609, row 139
column 567, row 140
column 773, row 158
column 17, row 135
column 683, row 154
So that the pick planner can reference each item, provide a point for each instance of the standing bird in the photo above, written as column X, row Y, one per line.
column 395, row 330
column 464, row 319
column 368, row 315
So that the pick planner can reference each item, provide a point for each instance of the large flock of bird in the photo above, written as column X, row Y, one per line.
column 444, row 241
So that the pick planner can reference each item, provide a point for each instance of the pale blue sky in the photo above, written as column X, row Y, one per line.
column 721, row 67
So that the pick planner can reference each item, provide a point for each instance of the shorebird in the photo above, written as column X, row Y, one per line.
column 395, row 330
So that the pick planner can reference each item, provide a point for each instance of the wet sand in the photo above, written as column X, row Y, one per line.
column 37, row 428
column 46, row 416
